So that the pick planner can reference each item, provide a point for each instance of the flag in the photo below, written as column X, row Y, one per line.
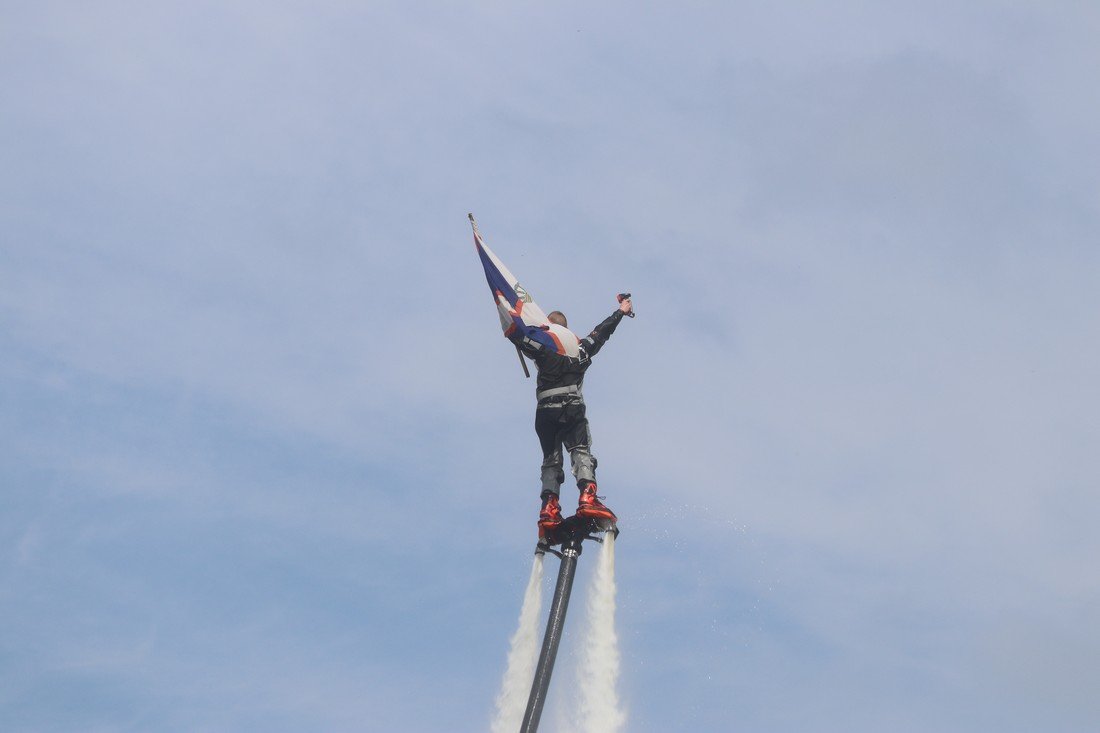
column 518, row 311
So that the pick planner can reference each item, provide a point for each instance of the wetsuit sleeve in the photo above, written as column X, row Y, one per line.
column 594, row 341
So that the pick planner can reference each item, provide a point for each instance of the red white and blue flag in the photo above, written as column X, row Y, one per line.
column 518, row 311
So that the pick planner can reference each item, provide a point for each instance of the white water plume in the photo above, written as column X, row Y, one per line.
column 600, row 710
column 523, row 654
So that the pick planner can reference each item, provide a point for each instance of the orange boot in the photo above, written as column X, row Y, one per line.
column 590, row 506
column 550, row 516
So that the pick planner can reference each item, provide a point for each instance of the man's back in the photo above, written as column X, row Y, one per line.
column 557, row 370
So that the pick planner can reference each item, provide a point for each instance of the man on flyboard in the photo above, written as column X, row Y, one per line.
column 560, row 415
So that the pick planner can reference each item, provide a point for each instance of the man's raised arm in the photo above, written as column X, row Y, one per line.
column 593, row 342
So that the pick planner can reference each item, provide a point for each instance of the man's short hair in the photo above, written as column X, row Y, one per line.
column 559, row 318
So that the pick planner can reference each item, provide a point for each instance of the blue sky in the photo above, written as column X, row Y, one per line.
column 266, row 463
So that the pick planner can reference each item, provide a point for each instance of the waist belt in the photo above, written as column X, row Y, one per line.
column 558, row 391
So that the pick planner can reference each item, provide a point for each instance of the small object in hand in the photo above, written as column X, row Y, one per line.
column 626, row 296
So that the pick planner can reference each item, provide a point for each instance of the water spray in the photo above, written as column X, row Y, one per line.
column 599, row 708
column 522, row 653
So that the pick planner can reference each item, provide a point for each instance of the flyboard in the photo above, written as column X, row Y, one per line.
column 518, row 311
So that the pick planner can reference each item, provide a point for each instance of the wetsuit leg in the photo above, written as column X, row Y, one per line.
column 548, row 428
column 578, row 441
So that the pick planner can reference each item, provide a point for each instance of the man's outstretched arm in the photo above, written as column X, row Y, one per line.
column 593, row 342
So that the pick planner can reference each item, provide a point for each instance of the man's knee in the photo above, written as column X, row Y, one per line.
column 552, row 474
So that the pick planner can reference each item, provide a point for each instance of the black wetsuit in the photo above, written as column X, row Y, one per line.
column 560, row 416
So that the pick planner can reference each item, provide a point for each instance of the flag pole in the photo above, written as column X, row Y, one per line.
column 523, row 363
column 519, row 354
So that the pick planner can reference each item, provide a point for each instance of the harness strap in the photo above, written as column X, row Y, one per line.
column 571, row 389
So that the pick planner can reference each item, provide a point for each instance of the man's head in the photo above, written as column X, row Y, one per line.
column 559, row 318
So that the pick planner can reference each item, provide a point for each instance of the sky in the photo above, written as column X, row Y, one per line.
column 266, row 463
